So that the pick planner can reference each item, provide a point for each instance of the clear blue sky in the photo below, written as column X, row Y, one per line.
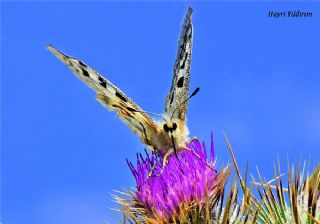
column 63, row 153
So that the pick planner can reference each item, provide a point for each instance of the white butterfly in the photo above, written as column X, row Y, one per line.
column 167, row 136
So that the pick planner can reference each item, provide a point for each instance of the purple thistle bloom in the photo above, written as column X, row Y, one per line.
column 165, row 192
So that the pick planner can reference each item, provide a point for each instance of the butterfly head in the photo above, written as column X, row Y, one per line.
column 170, row 126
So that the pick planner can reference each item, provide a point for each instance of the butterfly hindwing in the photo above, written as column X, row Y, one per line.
column 111, row 97
column 181, row 73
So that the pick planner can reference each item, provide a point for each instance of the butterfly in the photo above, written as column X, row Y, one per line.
column 172, row 133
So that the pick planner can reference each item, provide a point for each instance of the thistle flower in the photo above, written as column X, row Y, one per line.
column 184, row 190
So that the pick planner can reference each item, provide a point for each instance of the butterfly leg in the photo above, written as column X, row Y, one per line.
column 166, row 157
column 157, row 152
column 185, row 147
column 150, row 174
column 198, row 156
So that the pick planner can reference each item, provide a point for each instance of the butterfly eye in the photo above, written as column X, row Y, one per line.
column 174, row 126
column 166, row 128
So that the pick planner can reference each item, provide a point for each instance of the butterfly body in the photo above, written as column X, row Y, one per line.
column 176, row 130
column 168, row 135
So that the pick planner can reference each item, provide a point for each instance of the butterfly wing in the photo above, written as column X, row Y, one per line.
column 111, row 97
column 181, row 74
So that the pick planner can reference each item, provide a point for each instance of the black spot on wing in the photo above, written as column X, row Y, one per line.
column 102, row 82
column 184, row 62
column 81, row 63
column 131, row 109
column 85, row 73
column 171, row 100
column 100, row 79
column 180, row 82
column 121, row 97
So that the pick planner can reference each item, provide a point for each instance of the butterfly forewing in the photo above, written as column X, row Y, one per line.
column 111, row 97
column 179, row 90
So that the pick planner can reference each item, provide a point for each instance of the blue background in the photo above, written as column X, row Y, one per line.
column 63, row 154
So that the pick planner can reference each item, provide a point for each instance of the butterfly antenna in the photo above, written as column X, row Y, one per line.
column 147, row 112
column 182, row 103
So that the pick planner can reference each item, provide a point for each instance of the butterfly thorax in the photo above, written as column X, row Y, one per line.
column 169, row 133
